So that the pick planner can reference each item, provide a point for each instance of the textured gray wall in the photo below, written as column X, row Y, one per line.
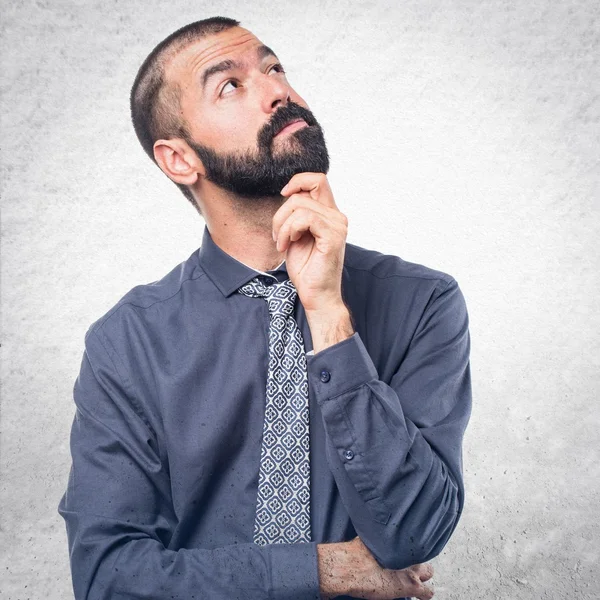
column 463, row 135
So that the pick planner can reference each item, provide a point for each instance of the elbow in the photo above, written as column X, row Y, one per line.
column 437, row 543
column 89, row 584
column 409, row 548
column 418, row 533
column 418, row 538
column 91, row 576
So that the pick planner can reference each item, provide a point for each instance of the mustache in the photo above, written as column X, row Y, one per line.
column 283, row 116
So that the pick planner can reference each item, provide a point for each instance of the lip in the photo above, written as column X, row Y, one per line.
column 297, row 124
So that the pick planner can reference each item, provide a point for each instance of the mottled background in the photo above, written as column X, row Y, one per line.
column 463, row 136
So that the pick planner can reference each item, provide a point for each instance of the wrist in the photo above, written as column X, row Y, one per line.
column 329, row 327
column 327, row 310
column 337, row 567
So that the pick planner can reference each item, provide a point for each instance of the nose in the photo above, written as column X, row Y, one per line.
column 275, row 93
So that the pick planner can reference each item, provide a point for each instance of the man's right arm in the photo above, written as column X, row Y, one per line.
column 119, row 516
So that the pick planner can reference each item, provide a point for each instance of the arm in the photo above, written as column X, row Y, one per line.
column 119, row 515
column 349, row 568
column 395, row 450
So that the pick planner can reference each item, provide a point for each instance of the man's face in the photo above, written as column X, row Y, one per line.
column 234, row 116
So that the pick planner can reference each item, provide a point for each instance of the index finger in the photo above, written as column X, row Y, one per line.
column 315, row 184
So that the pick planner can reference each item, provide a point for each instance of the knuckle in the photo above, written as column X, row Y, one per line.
column 414, row 578
column 303, row 213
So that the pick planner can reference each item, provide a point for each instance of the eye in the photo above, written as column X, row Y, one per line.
column 278, row 66
column 228, row 82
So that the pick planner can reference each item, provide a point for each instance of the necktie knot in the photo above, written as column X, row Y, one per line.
column 280, row 296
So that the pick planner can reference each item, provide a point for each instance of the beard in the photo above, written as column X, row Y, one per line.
column 264, row 173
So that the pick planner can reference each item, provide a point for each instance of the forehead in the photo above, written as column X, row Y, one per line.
column 191, row 60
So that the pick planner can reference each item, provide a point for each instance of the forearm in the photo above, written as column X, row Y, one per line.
column 394, row 446
column 400, row 496
column 329, row 327
column 339, row 569
column 349, row 569
column 111, row 560
column 120, row 517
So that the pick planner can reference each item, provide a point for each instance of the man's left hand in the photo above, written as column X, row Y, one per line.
column 310, row 227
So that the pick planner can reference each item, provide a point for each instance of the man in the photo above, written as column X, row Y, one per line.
column 281, row 415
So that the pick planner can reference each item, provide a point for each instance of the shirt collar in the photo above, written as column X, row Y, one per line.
column 225, row 271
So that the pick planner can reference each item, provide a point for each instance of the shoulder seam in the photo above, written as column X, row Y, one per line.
column 404, row 276
column 119, row 305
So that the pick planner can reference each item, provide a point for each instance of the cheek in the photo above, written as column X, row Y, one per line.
column 235, row 133
column 236, row 137
column 229, row 127
column 226, row 133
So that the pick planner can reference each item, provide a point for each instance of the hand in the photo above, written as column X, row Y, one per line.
column 385, row 584
column 312, row 231
column 350, row 568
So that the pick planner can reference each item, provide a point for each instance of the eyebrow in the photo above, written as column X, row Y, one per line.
column 228, row 64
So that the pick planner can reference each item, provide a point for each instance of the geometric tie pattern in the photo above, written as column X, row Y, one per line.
column 283, row 500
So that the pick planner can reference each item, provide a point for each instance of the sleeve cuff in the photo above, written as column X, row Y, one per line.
column 294, row 571
column 340, row 368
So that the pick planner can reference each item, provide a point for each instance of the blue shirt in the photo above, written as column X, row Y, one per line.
column 167, row 431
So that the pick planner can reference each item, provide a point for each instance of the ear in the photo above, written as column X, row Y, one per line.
column 178, row 161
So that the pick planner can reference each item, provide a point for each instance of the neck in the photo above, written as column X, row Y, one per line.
column 243, row 228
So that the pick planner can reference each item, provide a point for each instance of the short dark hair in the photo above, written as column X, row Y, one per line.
column 154, row 102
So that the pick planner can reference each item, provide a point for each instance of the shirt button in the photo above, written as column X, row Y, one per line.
column 349, row 454
column 325, row 376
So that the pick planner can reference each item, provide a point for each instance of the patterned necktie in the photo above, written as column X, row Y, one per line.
column 283, row 501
